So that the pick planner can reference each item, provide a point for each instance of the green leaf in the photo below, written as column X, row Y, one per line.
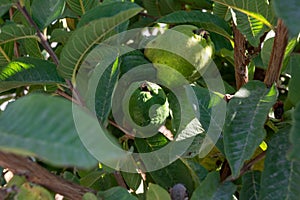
column 294, row 83
column 91, row 178
column 222, row 11
column 4, row 6
column 289, row 11
column 101, row 69
column 161, row 8
column 132, row 180
column 172, row 174
column 294, row 135
column 81, row 6
column 84, row 38
column 204, row 20
column 106, row 10
column 212, row 189
column 206, row 101
column 158, row 193
column 244, row 126
column 250, row 186
column 28, row 71
column 30, row 47
column 60, row 36
column 257, row 9
column 43, row 126
column 116, row 193
column 251, row 27
column 12, row 32
column 44, row 12
column 281, row 177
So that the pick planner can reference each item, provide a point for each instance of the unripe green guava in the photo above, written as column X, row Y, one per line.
column 188, row 53
column 148, row 105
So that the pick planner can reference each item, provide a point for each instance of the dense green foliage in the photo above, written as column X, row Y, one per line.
column 66, row 65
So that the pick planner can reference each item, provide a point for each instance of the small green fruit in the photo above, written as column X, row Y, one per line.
column 188, row 53
column 148, row 105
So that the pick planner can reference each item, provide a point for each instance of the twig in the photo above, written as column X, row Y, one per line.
column 120, row 179
column 43, row 39
column 248, row 165
column 276, row 59
column 63, row 94
column 240, row 59
column 34, row 173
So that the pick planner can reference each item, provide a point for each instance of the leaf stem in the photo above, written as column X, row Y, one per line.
column 43, row 39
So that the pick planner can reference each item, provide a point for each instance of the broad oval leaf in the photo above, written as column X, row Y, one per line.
column 252, row 28
column 281, row 177
column 116, row 193
column 83, row 39
column 260, row 10
column 104, row 10
column 4, row 6
column 295, row 135
column 28, row 71
column 81, row 6
column 204, row 20
column 158, row 193
column 212, row 189
column 46, row 11
column 43, row 126
column 12, row 32
column 294, row 83
column 289, row 11
column 250, row 186
column 244, row 126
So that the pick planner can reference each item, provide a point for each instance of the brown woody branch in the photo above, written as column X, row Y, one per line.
column 34, row 173
column 240, row 59
column 276, row 59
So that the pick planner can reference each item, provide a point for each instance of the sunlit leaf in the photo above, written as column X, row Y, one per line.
column 28, row 71
column 257, row 9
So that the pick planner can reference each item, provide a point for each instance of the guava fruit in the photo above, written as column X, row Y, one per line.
column 148, row 104
column 185, row 48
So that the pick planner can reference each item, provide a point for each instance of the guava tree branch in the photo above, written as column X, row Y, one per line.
column 34, row 173
column 43, row 39
column 240, row 59
column 47, row 47
column 276, row 59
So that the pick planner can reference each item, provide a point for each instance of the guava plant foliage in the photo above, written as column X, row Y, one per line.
column 62, row 63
